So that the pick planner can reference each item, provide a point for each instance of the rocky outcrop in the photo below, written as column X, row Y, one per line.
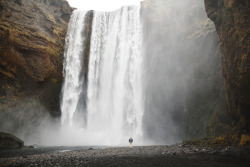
column 32, row 35
column 8, row 141
column 231, row 18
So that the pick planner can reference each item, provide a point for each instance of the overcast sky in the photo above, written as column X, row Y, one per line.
column 101, row 5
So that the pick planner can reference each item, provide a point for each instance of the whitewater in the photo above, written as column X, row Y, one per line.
column 113, row 87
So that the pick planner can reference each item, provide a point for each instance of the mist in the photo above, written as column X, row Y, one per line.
column 28, row 120
column 180, row 82
column 181, row 76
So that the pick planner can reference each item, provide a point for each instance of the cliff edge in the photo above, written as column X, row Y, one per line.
column 231, row 18
column 32, row 35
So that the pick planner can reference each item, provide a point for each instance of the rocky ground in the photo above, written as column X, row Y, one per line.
column 176, row 155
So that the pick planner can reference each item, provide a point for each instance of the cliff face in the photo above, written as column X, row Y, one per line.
column 231, row 18
column 184, row 91
column 32, row 35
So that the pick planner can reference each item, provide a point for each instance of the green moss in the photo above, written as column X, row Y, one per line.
column 245, row 140
column 221, row 140
column 54, row 81
column 25, row 36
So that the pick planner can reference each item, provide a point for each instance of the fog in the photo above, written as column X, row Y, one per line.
column 181, row 83
column 28, row 120
column 181, row 70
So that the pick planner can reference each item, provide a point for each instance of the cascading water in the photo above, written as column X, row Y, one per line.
column 114, row 90
column 114, row 95
column 73, row 62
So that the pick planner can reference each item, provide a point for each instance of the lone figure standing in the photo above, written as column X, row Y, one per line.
column 130, row 142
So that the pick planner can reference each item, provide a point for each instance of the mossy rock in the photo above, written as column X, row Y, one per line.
column 245, row 140
column 8, row 141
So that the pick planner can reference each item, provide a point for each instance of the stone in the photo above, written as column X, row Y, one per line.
column 245, row 140
column 8, row 141
column 32, row 37
column 231, row 19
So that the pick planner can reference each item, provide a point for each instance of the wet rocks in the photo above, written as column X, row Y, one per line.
column 174, row 155
column 8, row 141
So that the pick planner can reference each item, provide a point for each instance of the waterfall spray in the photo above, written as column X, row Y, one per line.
column 73, row 62
column 114, row 94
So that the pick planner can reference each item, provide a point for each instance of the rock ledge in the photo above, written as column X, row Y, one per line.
column 8, row 141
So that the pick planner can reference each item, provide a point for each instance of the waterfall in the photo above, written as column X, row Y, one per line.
column 114, row 90
column 73, row 62
column 114, row 93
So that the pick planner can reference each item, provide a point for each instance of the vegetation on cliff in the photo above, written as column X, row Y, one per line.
column 231, row 18
column 32, row 35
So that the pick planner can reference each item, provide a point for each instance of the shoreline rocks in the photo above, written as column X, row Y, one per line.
column 162, row 155
column 9, row 141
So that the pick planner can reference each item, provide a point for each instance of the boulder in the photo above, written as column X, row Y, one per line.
column 8, row 141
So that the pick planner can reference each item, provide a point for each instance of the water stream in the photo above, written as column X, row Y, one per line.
column 114, row 93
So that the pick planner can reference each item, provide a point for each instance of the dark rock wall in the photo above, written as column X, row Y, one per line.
column 232, row 21
column 32, row 34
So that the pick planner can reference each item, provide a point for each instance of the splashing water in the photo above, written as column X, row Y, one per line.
column 73, row 62
column 114, row 94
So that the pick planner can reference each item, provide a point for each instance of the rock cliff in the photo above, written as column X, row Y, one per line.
column 231, row 18
column 32, row 35
column 185, row 96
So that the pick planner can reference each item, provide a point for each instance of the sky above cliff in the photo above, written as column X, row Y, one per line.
column 101, row 5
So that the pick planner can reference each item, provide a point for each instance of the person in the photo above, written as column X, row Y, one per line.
column 130, row 142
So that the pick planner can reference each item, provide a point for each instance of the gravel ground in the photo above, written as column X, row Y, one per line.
column 173, row 156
